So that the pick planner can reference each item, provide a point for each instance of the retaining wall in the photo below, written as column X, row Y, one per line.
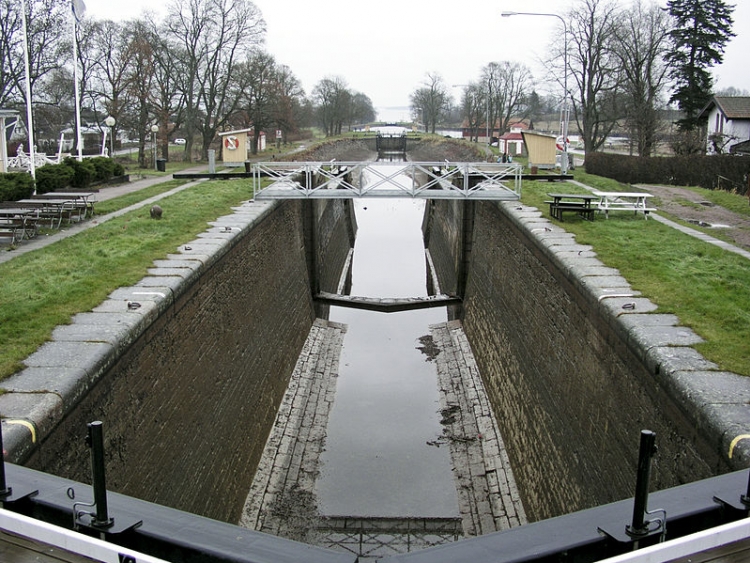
column 576, row 372
column 186, row 369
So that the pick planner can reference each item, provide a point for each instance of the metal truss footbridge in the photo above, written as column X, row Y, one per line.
column 419, row 180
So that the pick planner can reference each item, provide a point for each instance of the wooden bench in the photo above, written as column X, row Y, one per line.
column 580, row 203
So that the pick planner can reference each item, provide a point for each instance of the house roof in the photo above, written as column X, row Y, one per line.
column 235, row 132
column 733, row 107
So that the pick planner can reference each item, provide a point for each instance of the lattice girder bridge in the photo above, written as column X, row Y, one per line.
column 420, row 180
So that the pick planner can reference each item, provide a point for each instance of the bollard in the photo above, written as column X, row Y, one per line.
column 639, row 526
column 5, row 491
column 95, row 441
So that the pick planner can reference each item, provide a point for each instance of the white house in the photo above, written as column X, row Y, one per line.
column 728, row 122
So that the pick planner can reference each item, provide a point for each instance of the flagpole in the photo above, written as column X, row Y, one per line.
column 29, row 119
column 79, row 143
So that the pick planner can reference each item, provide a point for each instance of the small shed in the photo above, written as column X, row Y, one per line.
column 236, row 145
column 541, row 149
column 9, row 115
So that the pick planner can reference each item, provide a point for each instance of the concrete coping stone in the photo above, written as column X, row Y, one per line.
column 717, row 401
column 193, row 265
column 27, row 418
column 183, row 273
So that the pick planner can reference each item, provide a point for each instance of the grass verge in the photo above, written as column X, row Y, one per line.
column 42, row 289
column 706, row 287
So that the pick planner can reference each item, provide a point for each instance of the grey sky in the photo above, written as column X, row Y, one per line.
column 384, row 48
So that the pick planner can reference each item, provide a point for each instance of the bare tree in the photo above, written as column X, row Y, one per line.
column 289, row 98
column 212, row 37
column 11, row 54
column 332, row 98
column 257, row 81
column 595, row 70
column 432, row 100
column 112, row 70
column 642, row 44
column 472, row 108
column 140, row 84
column 509, row 84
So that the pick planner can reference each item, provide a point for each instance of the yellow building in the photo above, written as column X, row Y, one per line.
column 541, row 149
column 236, row 145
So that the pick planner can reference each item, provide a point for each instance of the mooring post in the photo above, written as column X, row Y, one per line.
column 4, row 489
column 95, row 441
column 639, row 527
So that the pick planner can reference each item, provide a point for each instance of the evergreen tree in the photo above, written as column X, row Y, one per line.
column 702, row 28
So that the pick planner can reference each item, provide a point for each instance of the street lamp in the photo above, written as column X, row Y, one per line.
column 566, row 109
column 154, row 130
column 110, row 121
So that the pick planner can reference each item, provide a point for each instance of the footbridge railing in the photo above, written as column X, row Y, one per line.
column 423, row 180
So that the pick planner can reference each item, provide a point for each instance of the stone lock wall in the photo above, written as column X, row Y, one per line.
column 189, row 404
column 571, row 394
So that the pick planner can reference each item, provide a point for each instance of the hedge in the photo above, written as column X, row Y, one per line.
column 726, row 172
column 15, row 186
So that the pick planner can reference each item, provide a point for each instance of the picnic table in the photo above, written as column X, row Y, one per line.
column 580, row 203
column 56, row 210
column 629, row 201
column 85, row 199
column 17, row 224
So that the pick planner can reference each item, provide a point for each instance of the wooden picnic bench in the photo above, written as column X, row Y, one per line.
column 580, row 203
column 624, row 201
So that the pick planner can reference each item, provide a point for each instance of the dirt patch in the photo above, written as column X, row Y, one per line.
column 689, row 206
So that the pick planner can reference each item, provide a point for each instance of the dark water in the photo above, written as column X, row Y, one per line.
column 377, row 461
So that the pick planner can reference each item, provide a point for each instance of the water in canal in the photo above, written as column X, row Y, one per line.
column 377, row 461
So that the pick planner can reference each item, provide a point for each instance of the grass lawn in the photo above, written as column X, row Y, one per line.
column 42, row 289
column 706, row 287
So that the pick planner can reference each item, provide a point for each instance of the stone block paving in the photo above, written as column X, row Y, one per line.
column 281, row 500
column 488, row 498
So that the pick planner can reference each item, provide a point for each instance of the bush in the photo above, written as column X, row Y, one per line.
column 104, row 168
column 83, row 172
column 15, row 186
column 53, row 177
column 704, row 170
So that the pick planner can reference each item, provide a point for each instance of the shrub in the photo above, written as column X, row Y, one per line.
column 83, row 172
column 104, row 168
column 53, row 177
column 15, row 186
column 703, row 170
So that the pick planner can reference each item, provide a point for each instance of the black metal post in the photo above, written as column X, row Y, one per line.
column 647, row 450
column 4, row 489
column 96, row 443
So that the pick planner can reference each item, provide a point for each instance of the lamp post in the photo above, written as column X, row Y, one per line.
column 154, row 130
column 110, row 121
column 566, row 109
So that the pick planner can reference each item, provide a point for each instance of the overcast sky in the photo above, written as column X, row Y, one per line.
column 384, row 48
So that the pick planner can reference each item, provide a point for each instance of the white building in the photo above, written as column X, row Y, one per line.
column 728, row 122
